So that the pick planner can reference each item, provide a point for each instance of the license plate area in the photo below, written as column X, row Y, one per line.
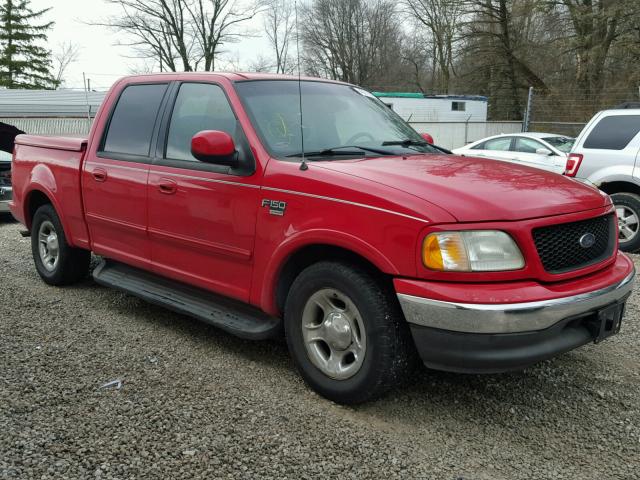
column 607, row 321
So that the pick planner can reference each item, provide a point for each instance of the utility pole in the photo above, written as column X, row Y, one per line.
column 527, row 113
column 86, row 97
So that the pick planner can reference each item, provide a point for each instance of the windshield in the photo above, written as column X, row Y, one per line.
column 334, row 116
column 563, row 144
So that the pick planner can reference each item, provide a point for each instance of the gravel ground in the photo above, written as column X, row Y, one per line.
column 198, row 403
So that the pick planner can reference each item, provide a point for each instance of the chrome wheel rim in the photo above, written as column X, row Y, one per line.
column 628, row 224
column 334, row 334
column 48, row 246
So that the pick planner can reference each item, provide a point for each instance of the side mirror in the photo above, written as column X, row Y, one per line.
column 213, row 146
column 544, row 151
column 427, row 138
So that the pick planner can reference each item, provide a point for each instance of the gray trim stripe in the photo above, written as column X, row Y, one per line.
column 204, row 179
column 339, row 200
column 172, row 174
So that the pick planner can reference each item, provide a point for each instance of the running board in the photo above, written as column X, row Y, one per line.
column 229, row 315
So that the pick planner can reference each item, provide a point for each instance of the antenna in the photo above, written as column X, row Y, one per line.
column 303, row 164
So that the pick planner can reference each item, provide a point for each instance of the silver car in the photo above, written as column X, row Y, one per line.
column 606, row 154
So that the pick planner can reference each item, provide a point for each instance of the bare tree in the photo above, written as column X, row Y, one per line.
column 214, row 23
column 417, row 57
column 350, row 40
column 596, row 24
column 261, row 64
column 443, row 19
column 279, row 27
column 495, row 43
column 180, row 34
column 157, row 29
column 66, row 54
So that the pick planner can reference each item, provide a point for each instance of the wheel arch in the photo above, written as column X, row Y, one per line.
column 36, row 197
column 619, row 186
column 290, row 259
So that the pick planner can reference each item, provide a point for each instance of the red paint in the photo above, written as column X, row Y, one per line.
column 211, row 143
column 210, row 230
column 518, row 291
column 427, row 138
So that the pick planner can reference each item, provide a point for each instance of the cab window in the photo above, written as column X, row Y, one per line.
column 133, row 120
column 198, row 107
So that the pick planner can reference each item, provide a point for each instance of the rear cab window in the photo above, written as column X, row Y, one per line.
column 133, row 120
column 613, row 132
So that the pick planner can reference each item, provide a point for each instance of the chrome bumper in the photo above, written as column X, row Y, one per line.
column 6, row 194
column 510, row 317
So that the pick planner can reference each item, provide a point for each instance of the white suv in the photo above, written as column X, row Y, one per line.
column 607, row 154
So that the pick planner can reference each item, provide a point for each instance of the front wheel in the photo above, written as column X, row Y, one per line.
column 346, row 333
column 56, row 261
column 628, row 210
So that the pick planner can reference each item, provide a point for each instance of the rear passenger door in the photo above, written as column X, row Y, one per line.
column 202, row 216
column 114, row 178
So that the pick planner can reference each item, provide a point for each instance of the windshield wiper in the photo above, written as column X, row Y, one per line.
column 415, row 143
column 407, row 142
column 337, row 151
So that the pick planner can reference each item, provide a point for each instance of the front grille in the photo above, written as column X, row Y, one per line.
column 559, row 246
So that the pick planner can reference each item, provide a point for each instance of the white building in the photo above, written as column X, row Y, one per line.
column 50, row 112
column 418, row 107
column 49, row 103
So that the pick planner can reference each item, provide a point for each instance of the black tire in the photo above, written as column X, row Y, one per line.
column 390, row 354
column 629, row 201
column 72, row 263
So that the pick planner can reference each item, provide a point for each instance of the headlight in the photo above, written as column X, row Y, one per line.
column 471, row 251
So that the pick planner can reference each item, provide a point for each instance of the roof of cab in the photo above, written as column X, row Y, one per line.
column 237, row 76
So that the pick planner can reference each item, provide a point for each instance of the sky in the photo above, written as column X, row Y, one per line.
column 101, row 60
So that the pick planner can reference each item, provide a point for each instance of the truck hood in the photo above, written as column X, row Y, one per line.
column 474, row 189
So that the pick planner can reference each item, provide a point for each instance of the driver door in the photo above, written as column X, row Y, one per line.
column 202, row 216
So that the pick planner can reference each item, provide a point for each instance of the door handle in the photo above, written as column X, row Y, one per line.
column 168, row 187
column 99, row 174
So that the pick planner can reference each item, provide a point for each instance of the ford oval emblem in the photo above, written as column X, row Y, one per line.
column 587, row 240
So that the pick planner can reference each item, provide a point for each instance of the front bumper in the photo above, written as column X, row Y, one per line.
column 6, row 194
column 494, row 337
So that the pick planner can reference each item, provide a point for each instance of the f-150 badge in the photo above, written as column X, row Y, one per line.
column 276, row 207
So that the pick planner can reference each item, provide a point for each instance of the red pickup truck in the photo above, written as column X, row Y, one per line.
column 265, row 205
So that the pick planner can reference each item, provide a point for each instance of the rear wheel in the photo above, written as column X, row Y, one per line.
column 56, row 261
column 346, row 333
column 628, row 211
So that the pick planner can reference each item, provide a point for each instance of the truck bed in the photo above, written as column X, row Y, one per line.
column 52, row 165
column 72, row 144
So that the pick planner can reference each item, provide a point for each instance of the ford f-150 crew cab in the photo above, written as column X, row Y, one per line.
column 266, row 204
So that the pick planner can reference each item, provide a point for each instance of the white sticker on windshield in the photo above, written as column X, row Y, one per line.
column 364, row 93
